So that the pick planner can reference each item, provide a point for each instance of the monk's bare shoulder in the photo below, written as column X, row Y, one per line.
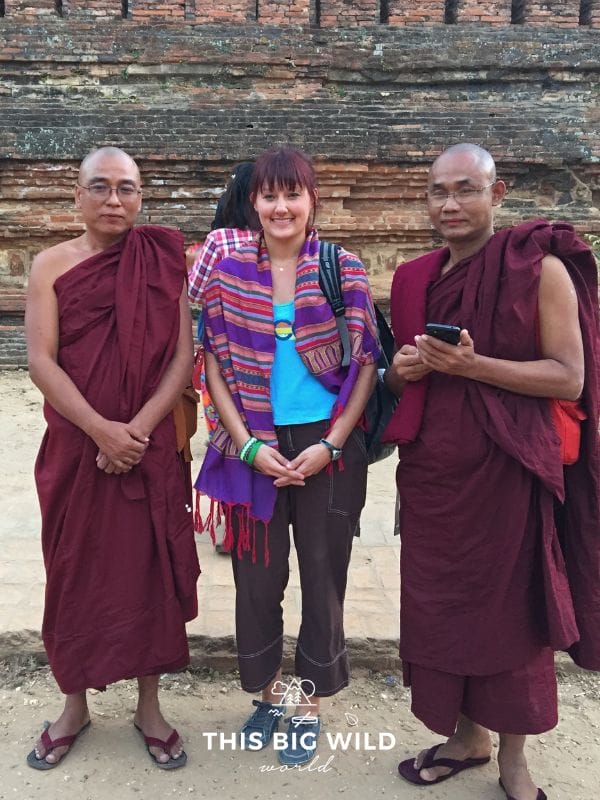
column 53, row 262
column 553, row 268
column 555, row 280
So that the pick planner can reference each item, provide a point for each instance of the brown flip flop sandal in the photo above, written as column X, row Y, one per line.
column 165, row 746
column 540, row 795
column 410, row 773
column 39, row 762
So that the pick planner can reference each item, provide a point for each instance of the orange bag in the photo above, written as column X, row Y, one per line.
column 185, row 416
column 567, row 416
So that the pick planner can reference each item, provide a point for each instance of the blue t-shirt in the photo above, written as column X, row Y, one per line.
column 297, row 397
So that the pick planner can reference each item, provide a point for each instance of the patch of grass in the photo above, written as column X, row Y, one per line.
column 594, row 242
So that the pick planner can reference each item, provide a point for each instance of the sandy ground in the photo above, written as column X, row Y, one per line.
column 109, row 762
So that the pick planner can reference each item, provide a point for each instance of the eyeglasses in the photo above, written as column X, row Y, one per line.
column 462, row 196
column 102, row 191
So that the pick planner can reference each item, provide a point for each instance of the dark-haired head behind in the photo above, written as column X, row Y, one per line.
column 234, row 209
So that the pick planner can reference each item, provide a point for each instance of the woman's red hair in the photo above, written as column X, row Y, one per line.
column 284, row 168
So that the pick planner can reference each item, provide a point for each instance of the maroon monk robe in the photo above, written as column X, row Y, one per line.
column 119, row 550
column 483, row 579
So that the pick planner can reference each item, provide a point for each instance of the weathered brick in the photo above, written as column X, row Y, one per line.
column 492, row 12
column 284, row 12
column 407, row 12
column 349, row 13
column 29, row 8
column 92, row 8
column 373, row 103
column 552, row 12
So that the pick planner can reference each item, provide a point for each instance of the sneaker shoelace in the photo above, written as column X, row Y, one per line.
column 263, row 716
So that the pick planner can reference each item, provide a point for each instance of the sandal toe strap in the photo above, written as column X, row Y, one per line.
column 165, row 746
column 52, row 744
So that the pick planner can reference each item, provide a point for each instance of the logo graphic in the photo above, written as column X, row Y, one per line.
column 295, row 693
column 284, row 329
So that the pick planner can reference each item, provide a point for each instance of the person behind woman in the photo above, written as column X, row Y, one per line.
column 234, row 209
column 287, row 411
column 235, row 223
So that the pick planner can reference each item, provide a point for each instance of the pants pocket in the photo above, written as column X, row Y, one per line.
column 348, row 480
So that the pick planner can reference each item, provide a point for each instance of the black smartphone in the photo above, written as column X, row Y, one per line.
column 447, row 333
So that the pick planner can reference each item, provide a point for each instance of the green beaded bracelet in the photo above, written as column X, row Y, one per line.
column 253, row 451
column 246, row 448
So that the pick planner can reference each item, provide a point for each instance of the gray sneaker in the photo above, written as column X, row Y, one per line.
column 260, row 726
column 302, row 735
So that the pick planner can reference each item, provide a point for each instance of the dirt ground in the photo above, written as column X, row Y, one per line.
column 110, row 763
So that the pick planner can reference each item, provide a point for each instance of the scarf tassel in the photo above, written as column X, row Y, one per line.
column 198, row 524
column 247, row 534
column 213, row 518
column 332, row 465
column 337, row 410
column 223, row 512
column 228, row 540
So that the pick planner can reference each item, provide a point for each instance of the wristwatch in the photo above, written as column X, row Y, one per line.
column 336, row 452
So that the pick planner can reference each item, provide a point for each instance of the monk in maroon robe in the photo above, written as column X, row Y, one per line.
column 500, row 542
column 110, row 347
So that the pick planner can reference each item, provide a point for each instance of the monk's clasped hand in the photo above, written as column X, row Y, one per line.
column 449, row 358
column 120, row 446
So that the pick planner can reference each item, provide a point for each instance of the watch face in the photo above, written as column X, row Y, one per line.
column 335, row 451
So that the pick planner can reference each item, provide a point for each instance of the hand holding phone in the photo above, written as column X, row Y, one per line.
column 445, row 333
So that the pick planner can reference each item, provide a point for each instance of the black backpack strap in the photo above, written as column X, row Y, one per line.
column 330, row 281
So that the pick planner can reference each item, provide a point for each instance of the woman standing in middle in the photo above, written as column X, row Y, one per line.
column 287, row 409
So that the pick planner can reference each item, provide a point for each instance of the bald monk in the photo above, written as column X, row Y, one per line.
column 110, row 348
column 492, row 579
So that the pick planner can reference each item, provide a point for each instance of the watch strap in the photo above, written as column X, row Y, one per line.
column 336, row 452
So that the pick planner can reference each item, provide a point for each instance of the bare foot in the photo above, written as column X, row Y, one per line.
column 70, row 722
column 152, row 723
column 479, row 746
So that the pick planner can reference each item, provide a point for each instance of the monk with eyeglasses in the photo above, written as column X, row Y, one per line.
column 110, row 348
column 497, row 337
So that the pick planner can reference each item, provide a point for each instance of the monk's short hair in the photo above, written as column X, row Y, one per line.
column 483, row 157
column 108, row 150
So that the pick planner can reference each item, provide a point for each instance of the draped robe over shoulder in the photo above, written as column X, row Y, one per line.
column 119, row 550
column 484, row 583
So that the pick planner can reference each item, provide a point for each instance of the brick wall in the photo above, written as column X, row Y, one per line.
column 327, row 13
column 349, row 13
column 169, row 10
column 493, row 12
column 103, row 9
column 426, row 12
column 29, row 8
column 285, row 12
column 236, row 11
column 562, row 13
column 373, row 103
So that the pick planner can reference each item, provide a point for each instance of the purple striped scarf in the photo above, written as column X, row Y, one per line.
column 238, row 314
